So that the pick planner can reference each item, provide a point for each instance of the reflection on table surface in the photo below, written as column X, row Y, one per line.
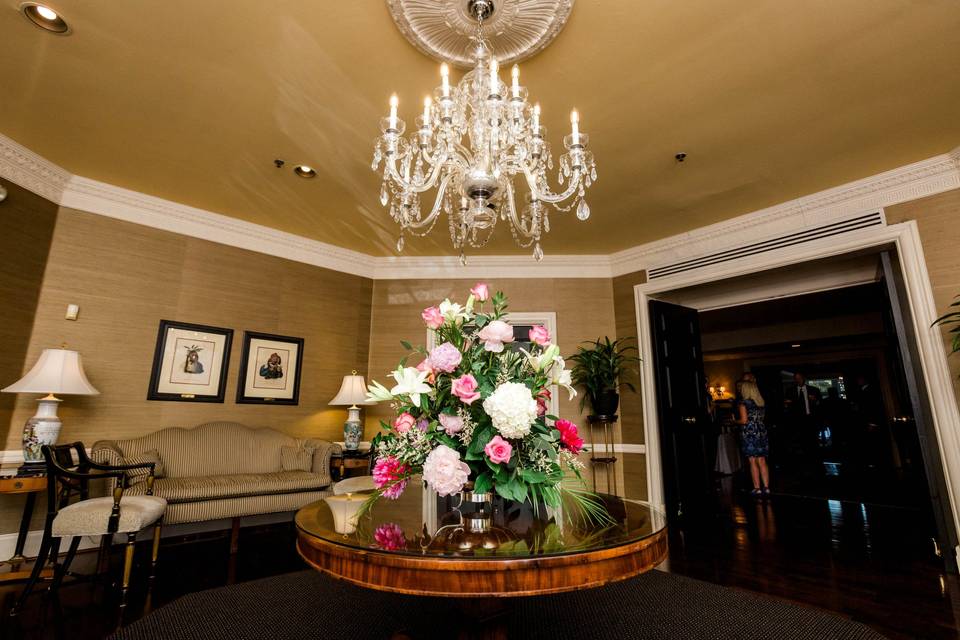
column 421, row 523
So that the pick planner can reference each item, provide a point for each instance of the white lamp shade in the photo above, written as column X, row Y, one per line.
column 352, row 391
column 57, row 371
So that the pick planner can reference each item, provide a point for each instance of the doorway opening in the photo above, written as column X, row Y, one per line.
column 858, row 493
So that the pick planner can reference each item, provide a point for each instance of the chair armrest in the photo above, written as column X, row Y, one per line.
column 322, row 452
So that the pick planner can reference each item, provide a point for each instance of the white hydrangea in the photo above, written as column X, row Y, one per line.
column 512, row 409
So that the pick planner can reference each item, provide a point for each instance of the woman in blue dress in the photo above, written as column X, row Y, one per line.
column 753, row 436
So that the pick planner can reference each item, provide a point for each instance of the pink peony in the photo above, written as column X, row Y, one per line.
column 465, row 388
column 569, row 436
column 432, row 317
column 390, row 537
column 389, row 475
column 403, row 422
column 444, row 471
column 495, row 334
column 451, row 424
column 543, row 399
column 481, row 291
column 540, row 335
column 425, row 366
column 445, row 358
column 498, row 450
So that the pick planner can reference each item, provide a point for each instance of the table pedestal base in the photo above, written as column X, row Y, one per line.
column 480, row 619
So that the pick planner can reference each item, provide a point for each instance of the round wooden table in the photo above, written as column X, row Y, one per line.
column 419, row 545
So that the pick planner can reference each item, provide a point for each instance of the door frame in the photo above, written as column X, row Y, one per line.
column 905, row 237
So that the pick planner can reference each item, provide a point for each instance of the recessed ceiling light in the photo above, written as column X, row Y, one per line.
column 304, row 171
column 44, row 17
column 795, row 346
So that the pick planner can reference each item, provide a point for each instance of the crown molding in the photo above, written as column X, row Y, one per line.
column 37, row 174
column 918, row 180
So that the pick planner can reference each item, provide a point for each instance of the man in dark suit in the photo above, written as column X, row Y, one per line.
column 802, row 403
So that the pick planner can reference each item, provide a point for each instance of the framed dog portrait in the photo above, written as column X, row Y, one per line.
column 270, row 369
column 190, row 363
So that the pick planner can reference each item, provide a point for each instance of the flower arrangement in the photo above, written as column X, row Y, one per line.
column 472, row 409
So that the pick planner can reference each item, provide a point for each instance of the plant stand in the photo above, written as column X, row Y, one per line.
column 608, row 461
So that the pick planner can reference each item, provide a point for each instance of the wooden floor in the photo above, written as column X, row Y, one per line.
column 869, row 563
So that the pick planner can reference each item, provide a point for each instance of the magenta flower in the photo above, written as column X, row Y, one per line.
column 569, row 435
column 498, row 450
column 389, row 474
column 390, row 537
column 481, row 291
column 432, row 317
column 540, row 335
column 445, row 358
column 495, row 334
column 465, row 388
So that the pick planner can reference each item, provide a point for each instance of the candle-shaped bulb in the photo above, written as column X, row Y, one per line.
column 515, row 86
column 575, row 126
column 494, row 79
column 445, row 79
column 536, row 118
column 427, row 102
column 394, row 101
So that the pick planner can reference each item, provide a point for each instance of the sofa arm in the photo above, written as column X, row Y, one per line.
column 322, row 452
column 106, row 452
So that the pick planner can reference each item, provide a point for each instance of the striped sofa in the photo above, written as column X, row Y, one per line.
column 226, row 470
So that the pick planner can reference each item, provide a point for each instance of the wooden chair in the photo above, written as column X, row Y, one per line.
column 91, row 516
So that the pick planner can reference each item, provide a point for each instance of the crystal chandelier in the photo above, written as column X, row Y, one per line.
column 470, row 142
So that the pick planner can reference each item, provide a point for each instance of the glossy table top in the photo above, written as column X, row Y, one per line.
column 421, row 524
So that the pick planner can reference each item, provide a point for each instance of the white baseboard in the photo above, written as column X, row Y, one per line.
column 8, row 544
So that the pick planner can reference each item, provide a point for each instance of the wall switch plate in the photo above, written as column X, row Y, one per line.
column 73, row 310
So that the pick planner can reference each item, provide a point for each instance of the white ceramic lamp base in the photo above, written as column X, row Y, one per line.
column 42, row 429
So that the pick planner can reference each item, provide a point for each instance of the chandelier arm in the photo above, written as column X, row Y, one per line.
column 548, row 196
column 512, row 211
column 437, row 206
column 409, row 185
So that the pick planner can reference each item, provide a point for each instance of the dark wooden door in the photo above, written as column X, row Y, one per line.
column 915, row 412
column 686, row 436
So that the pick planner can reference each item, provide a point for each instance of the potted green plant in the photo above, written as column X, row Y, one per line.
column 599, row 369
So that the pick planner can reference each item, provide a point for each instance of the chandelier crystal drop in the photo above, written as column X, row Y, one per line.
column 470, row 142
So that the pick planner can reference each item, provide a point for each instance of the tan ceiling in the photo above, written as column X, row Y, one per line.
column 192, row 101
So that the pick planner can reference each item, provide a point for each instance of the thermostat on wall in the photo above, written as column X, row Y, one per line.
column 73, row 310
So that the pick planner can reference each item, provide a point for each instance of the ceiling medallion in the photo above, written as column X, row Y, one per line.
column 446, row 29
column 472, row 139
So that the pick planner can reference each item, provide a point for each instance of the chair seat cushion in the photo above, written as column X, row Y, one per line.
column 198, row 488
column 91, row 517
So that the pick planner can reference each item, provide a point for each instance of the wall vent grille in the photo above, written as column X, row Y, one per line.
column 789, row 240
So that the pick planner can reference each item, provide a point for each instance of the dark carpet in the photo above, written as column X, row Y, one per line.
column 654, row 606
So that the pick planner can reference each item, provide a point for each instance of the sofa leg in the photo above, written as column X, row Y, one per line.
column 234, row 535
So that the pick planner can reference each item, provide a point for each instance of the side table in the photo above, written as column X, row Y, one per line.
column 608, row 461
column 350, row 459
column 30, row 485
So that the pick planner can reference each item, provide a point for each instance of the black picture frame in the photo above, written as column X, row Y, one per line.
column 163, row 332
column 242, row 396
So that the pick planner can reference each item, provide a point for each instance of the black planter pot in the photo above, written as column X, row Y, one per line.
column 606, row 403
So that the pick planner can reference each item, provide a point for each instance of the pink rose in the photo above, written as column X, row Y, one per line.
column 465, row 388
column 495, row 334
column 432, row 317
column 540, row 335
column 404, row 422
column 425, row 366
column 445, row 358
column 542, row 399
column 481, row 291
column 451, row 424
column 498, row 450
column 569, row 437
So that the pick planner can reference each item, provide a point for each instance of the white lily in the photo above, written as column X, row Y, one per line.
column 376, row 392
column 453, row 311
column 544, row 359
column 561, row 376
column 410, row 382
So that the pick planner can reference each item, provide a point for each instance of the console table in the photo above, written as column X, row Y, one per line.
column 31, row 486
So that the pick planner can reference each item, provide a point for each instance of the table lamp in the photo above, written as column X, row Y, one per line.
column 57, row 371
column 352, row 392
